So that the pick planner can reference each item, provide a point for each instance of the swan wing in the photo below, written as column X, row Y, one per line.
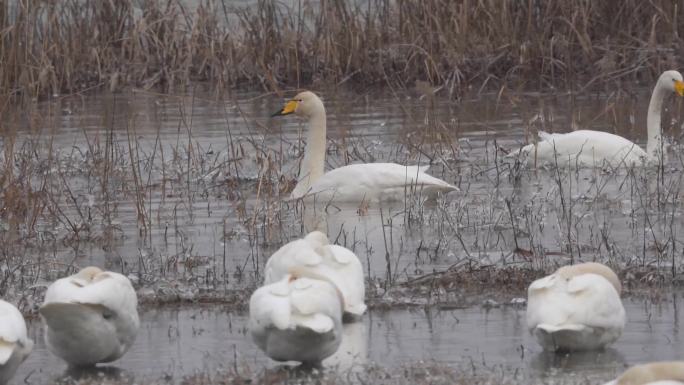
column 373, row 180
column 349, row 278
column 12, row 330
column 295, row 254
column 588, row 300
column 585, row 147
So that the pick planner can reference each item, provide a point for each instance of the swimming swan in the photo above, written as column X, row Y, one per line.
column 297, row 319
column 90, row 317
column 576, row 308
column 655, row 373
column 314, row 257
column 587, row 148
column 15, row 345
column 354, row 182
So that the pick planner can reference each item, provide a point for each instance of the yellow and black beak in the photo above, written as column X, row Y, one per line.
column 289, row 108
column 679, row 87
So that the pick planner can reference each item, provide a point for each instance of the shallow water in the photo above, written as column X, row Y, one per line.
column 177, row 342
column 211, row 219
column 207, row 197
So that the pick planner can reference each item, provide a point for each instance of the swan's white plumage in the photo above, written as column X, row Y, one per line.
column 655, row 373
column 587, row 148
column 357, row 182
column 90, row 317
column 313, row 257
column 576, row 308
column 15, row 345
column 296, row 319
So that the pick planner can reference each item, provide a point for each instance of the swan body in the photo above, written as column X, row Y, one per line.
column 296, row 319
column 15, row 345
column 655, row 373
column 587, row 148
column 355, row 182
column 90, row 317
column 576, row 308
column 313, row 257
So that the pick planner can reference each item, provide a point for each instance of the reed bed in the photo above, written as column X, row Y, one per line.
column 58, row 47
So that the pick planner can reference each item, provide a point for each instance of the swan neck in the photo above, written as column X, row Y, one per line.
column 654, row 141
column 314, row 155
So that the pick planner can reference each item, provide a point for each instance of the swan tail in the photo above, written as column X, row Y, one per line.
column 354, row 313
column 547, row 328
column 6, row 350
column 319, row 323
column 64, row 315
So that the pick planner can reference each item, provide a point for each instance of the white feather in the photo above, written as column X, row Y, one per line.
column 357, row 182
column 313, row 257
column 582, row 312
column 90, row 319
column 305, row 325
column 587, row 148
column 15, row 345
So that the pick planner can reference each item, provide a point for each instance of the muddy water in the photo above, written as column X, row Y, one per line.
column 177, row 342
column 203, row 161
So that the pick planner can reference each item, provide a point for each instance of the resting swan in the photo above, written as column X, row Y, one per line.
column 314, row 257
column 297, row 319
column 355, row 182
column 576, row 308
column 655, row 373
column 90, row 317
column 15, row 345
column 587, row 148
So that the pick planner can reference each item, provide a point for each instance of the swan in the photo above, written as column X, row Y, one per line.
column 355, row 182
column 297, row 319
column 587, row 148
column 15, row 345
column 576, row 308
column 655, row 373
column 313, row 256
column 90, row 317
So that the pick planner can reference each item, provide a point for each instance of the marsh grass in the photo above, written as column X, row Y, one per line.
column 64, row 47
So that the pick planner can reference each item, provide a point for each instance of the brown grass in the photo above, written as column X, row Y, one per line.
column 49, row 47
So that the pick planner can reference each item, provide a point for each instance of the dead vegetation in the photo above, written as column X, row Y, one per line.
column 57, row 47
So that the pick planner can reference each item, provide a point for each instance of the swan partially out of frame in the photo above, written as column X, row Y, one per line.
column 655, row 373
column 588, row 148
column 355, row 182
column 15, row 345
column 90, row 317
column 576, row 308
column 297, row 319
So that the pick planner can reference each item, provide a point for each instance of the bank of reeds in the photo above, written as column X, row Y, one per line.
column 49, row 47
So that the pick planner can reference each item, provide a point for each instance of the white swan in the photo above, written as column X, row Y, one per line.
column 313, row 257
column 297, row 319
column 655, row 373
column 15, row 345
column 576, row 308
column 587, row 148
column 90, row 317
column 356, row 182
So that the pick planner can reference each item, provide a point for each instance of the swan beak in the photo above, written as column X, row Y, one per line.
column 679, row 87
column 289, row 108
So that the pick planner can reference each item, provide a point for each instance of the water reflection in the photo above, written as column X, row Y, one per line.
column 177, row 342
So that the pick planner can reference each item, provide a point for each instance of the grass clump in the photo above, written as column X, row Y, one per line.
column 68, row 46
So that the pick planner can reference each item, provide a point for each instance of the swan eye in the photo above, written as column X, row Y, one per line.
column 108, row 315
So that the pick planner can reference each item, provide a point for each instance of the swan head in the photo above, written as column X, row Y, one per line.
column 305, row 104
column 86, row 275
column 591, row 268
column 672, row 81
column 655, row 371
